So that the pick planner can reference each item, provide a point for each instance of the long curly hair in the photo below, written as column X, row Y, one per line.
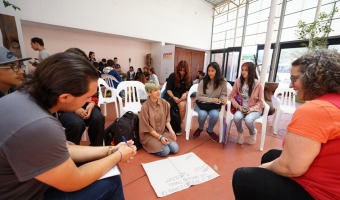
column 218, row 76
column 320, row 72
column 182, row 65
column 251, row 77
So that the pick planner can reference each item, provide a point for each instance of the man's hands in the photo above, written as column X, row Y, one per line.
column 85, row 113
column 128, row 150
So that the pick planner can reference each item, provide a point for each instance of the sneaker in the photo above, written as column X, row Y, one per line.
column 252, row 139
column 214, row 137
column 240, row 138
column 197, row 133
column 179, row 133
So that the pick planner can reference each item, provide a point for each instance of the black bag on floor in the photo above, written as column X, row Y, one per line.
column 175, row 119
column 127, row 126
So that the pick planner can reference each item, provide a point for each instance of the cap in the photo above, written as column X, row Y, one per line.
column 6, row 56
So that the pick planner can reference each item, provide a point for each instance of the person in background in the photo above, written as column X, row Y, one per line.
column 177, row 87
column 213, row 89
column 117, row 67
column 52, row 173
column 92, row 57
column 153, row 76
column 146, row 73
column 12, row 71
column 131, row 74
column 251, row 91
column 88, row 115
column 111, row 71
column 102, row 65
column 156, row 133
column 140, row 76
column 308, row 165
column 37, row 44
column 199, row 77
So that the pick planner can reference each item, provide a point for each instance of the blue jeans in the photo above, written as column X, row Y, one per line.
column 202, row 117
column 108, row 188
column 169, row 148
column 248, row 119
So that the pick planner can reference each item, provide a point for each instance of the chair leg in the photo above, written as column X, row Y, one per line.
column 83, row 137
column 221, row 129
column 104, row 109
column 263, row 133
column 188, row 126
column 277, row 120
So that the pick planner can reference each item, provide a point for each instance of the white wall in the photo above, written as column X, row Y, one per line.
column 180, row 22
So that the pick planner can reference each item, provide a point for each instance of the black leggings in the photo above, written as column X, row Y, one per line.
column 260, row 183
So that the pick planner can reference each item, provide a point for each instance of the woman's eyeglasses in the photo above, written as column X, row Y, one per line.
column 293, row 79
column 14, row 67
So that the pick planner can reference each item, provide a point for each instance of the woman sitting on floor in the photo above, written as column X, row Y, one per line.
column 156, row 134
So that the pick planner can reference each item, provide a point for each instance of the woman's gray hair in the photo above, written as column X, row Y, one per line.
column 320, row 72
column 151, row 85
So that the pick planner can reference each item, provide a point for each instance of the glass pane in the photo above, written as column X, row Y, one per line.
column 336, row 28
column 253, row 18
column 292, row 20
column 248, row 54
column 240, row 22
column 238, row 42
column 287, row 56
column 264, row 14
column 289, row 34
column 294, row 6
column 260, row 60
column 232, row 65
column 239, row 32
column 250, row 40
column 254, row 6
column 336, row 47
column 217, row 57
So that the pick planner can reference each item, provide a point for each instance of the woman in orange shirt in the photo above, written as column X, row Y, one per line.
column 308, row 165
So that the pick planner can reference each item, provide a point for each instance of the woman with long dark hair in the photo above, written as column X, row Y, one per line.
column 251, row 91
column 212, row 92
column 177, row 87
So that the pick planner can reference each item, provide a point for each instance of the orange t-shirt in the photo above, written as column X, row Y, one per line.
column 320, row 121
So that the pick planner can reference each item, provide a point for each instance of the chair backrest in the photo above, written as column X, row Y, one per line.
column 109, row 79
column 163, row 87
column 102, row 98
column 131, row 90
column 192, row 89
column 229, row 88
column 287, row 97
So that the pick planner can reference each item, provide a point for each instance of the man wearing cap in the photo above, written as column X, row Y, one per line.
column 12, row 71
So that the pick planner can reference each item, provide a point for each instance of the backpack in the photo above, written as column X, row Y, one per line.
column 127, row 126
column 175, row 119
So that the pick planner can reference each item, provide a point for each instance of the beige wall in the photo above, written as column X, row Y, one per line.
column 105, row 46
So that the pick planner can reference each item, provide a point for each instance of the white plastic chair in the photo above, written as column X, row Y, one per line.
column 163, row 88
column 190, row 112
column 263, row 120
column 109, row 79
column 132, row 96
column 103, row 100
column 286, row 105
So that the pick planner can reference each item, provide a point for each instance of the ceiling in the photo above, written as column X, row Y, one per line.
column 216, row 3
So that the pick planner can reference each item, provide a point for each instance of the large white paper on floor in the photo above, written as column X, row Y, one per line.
column 177, row 173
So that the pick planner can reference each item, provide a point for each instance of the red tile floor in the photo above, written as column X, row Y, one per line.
column 224, row 160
